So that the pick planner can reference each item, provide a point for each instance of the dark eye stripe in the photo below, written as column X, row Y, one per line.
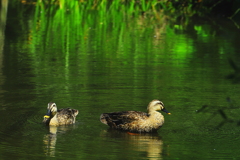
column 161, row 103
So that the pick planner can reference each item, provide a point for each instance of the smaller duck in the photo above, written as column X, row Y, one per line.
column 55, row 117
column 136, row 121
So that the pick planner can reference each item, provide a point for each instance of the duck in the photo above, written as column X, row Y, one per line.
column 55, row 117
column 137, row 121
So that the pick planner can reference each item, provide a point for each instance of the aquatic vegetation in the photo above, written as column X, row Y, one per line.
column 77, row 21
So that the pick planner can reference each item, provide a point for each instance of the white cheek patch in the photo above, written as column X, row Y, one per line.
column 52, row 106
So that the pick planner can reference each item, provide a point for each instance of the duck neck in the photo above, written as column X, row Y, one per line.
column 53, row 114
column 157, row 117
column 153, row 113
column 54, row 121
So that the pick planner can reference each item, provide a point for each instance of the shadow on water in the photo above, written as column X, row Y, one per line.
column 149, row 144
column 220, row 111
column 235, row 76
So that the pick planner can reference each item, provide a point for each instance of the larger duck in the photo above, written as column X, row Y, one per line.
column 136, row 121
column 55, row 117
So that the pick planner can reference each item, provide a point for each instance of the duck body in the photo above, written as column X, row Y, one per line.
column 136, row 121
column 57, row 117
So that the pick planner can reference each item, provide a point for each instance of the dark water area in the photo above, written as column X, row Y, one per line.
column 101, row 67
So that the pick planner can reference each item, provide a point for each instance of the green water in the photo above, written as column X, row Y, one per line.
column 107, row 66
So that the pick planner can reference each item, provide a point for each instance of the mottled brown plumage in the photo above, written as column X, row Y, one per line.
column 135, row 121
column 55, row 117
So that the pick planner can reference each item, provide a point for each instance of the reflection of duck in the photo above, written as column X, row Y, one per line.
column 50, row 139
column 149, row 145
column 135, row 121
column 55, row 117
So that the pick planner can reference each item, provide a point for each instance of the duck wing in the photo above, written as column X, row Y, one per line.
column 117, row 118
column 67, row 115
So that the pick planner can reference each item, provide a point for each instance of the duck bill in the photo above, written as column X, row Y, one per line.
column 166, row 111
column 48, row 114
column 46, row 117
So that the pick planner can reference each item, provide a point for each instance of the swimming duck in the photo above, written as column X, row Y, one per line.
column 55, row 117
column 136, row 121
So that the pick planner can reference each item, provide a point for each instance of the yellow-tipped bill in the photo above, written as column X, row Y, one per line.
column 46, row 116
column 164, row 110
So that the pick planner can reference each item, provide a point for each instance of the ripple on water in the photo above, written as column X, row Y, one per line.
column 20, row 133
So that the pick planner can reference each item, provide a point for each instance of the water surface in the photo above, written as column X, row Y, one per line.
column 115, row 68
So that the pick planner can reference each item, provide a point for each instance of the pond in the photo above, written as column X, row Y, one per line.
column 102, row 64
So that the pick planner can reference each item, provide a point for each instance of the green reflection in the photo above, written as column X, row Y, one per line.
column 113, row 58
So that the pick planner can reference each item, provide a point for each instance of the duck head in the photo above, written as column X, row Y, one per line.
column 156, row 105
column 51, row 111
